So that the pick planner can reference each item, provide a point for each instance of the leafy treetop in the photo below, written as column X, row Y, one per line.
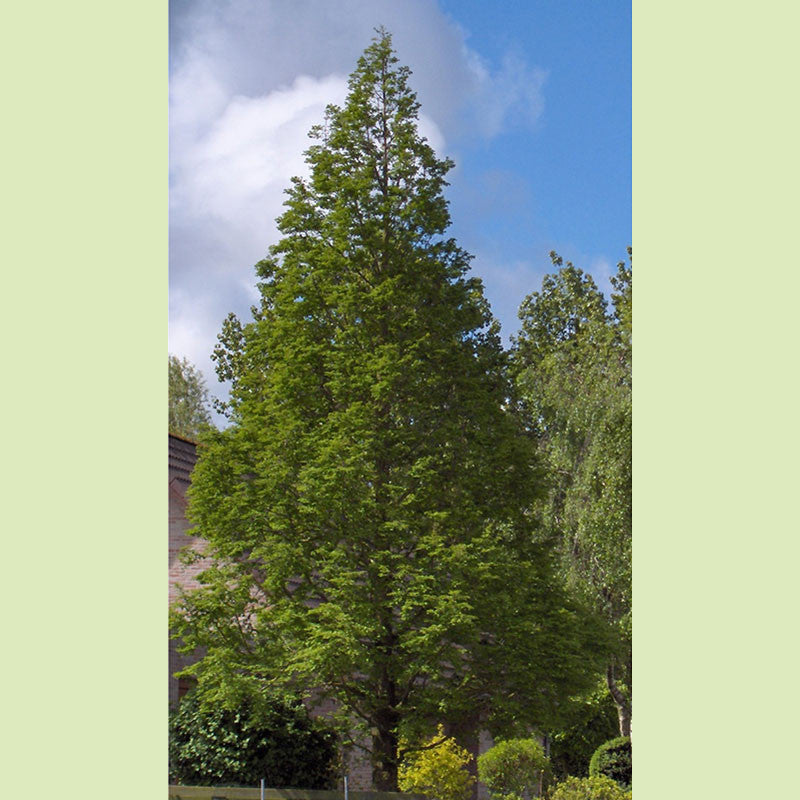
column 189, row 414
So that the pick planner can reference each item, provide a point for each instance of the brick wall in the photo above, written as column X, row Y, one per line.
column 182, row 457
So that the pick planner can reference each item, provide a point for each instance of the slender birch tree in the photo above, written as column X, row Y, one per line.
column 573, row 360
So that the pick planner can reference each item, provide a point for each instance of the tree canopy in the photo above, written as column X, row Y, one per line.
column 572, row 361
column 189, row 413
column 368, row 511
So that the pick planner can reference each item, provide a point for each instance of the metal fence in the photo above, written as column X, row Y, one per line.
column 255, row 793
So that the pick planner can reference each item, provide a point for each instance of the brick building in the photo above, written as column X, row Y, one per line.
column 182, row 458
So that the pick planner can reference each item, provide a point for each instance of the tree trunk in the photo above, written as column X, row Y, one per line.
column 624, row 708
column 385, row 741
column 384, row 755
column 624, row 713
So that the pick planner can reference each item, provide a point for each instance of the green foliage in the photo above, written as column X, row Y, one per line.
column 572, row 366
column 513, row 769
column 440, row 771
column 368, row 509
column 589, row 720
column 614, row 759
column 188, row 399
column 595, row 788
column 239, row 747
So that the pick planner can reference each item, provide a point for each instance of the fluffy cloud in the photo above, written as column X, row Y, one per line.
column 237, row 169
column 247, row 82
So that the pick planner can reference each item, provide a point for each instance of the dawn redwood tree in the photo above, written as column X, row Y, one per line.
column 572, row 360
column 367, row 510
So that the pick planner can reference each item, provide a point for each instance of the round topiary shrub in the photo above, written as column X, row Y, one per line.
column 281, row 744
column 614, row 760
column 597, row 788
column 513, row 769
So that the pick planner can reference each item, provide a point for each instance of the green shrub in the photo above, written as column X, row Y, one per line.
column 237, row 748
column 589, row 721
column 513, row 769
column 595, row 788
column 614, row 759
column 439, row 772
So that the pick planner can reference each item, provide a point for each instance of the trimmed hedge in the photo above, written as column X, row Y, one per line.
column 614, row 759
column 596, row 788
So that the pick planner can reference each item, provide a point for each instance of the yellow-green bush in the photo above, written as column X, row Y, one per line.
column 598, row 787
column 439, row 772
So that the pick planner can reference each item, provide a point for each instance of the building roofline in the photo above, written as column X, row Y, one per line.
column 184, row 438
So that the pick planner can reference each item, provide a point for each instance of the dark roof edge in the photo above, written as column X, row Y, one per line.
column 184, row 439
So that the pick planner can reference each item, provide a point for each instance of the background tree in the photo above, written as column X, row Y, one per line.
column 368, row 508
column 572, row 362
column 189, row 414
column 588, row 721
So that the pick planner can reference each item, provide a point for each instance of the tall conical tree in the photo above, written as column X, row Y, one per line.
column 367, row 508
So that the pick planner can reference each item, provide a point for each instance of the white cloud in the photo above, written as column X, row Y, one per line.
column 238, row 170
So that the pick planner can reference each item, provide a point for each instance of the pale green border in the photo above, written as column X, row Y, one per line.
column 84, row 295
column 715, row 408
column 85, row 298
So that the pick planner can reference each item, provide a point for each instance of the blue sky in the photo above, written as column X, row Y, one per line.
column 532, row 100
column 571, row 169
